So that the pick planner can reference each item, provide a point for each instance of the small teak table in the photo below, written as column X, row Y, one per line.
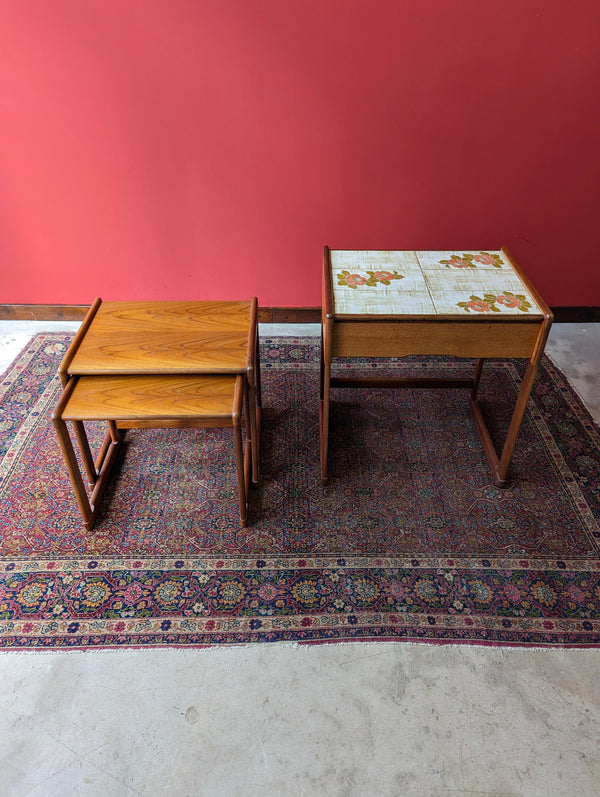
column 470, row 304
column 160, row 364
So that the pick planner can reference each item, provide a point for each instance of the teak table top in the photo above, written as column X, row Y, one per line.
column 166, row 337
column 154, row 397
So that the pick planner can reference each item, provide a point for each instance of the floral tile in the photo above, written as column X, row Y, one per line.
column 470, row 260
column 503, row 289
column 404, row 295
column 379, row 283
column 483, row 302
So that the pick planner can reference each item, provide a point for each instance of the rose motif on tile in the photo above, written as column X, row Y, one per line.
column 487, row 259
column 490, row 301
column 477, row 305
column 511, row 300
column 373, row 278
column 464, row 261
column 351, row 280
column 467, row 260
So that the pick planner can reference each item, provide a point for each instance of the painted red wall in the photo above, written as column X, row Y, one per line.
column 209, row 148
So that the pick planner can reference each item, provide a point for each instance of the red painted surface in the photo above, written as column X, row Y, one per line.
column 170, row 149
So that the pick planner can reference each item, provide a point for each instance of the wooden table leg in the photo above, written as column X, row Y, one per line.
column 68, row 453
column 256, row 453
column 239, row 461
column 499, row 465
column 88, row 506
column 86, row 454
column 515, row 423
column 477, row 378
column 325, row 381
column 253, row 412
column 257, row 374
column 240, row 402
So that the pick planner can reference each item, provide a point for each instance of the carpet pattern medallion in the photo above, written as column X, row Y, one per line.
column 410, row 540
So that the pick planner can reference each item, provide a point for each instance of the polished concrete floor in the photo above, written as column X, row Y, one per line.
column 400, row 719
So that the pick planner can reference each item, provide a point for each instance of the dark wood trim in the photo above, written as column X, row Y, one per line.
column 43, row 312
column 266, row 315
column 289, row 315
column 77, row 312
column 576, row 315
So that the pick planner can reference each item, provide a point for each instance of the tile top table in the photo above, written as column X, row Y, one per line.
column 466, row 303
column 171, row 337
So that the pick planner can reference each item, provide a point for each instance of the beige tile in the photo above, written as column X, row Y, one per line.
column 365, row 260
column 490, row 281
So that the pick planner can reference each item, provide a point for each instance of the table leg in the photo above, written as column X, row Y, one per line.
column 66, row 446
column 256, row 454
column 253, row 412
column 88, row 506
column 515, row 423
column 106, row 443
column 477, row 378
column 325, row 381
column 103, row 477
column 499, row 465
column 86, row 454
column 257, row 374
column 239, row 461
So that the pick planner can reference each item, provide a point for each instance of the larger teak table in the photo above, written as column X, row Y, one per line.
column 167, row 363
column 470, row 304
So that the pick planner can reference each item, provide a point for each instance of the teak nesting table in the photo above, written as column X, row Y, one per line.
column 160, row 365
column 470, row 304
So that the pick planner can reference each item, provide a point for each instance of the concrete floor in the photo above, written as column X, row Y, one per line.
column 345, row 719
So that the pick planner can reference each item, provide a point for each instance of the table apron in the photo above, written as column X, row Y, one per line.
column 460, row 339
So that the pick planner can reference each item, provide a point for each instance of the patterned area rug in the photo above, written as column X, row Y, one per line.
column 410, row 540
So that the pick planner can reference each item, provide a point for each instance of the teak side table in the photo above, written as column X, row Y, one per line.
column 148, row 402
column 468, row 304
column 128, row 342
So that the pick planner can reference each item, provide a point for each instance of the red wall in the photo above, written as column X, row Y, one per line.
column 173, row 149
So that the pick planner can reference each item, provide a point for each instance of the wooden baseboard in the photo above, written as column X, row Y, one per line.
column 289, row 315
column 76, row 312
column 576, row 315
column 266, row 315
column 43, row 312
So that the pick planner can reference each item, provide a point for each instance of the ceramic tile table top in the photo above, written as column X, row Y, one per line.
column 428, row 283
column 466, row 303
column 144, row 339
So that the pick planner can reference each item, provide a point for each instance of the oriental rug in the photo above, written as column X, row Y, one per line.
column 409, row 541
